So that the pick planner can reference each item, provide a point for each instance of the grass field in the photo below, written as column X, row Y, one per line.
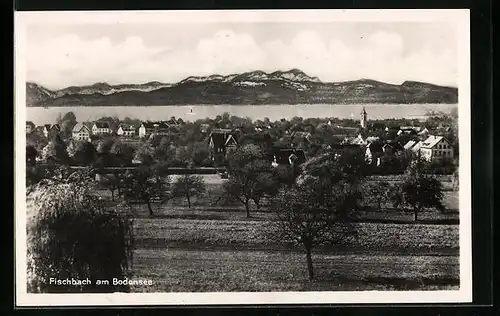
column 213, row 247
column 183, row 270
column 187, row 254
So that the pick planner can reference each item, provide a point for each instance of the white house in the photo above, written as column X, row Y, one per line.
column 101, row 128
column 81, row 132
column 436, row 148
column 125, row 130
column 147, row 128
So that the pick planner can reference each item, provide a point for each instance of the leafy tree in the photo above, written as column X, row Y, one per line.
column 187, row 186
column 66, row 227
column 85, row 153
column 378, row 192
column 104, row 145
column 146, row 184
column 246, row 169
column 314, row 213
column 125, row 152
column 144, row 154
column 112, row 182
column 419, row 190
column 55, row 151
column 31, row 154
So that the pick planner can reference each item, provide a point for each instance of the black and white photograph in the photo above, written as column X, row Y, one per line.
column 242, row 157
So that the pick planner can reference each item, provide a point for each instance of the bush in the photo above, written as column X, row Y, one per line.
column 70, row 235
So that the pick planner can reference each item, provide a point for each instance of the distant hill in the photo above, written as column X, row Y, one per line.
column 250, row 88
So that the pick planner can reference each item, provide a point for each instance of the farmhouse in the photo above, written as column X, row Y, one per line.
column 147, row 128
column 81, row 132
column 126, row 130
column 219, row 141
column 30, row 127
column 101, row 128
column 413, row 146
column 50, row 130
column 436, row 148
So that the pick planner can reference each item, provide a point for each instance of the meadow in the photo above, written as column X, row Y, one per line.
column 214, row 247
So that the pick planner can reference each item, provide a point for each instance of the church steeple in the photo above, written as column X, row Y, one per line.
column 364, row 118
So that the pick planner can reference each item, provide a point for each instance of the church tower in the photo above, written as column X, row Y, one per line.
column 364, row 118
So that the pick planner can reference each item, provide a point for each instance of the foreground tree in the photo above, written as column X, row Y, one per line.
column 146, row 184
column 188, row 186
column 248, row 172
column 314, row 213
column 378, row 192
column 317, row 210
column 66, row 227
column 419, row 190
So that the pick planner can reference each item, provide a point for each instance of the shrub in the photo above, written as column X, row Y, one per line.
column 71, row 235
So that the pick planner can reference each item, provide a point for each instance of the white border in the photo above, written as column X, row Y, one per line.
column 460, row 17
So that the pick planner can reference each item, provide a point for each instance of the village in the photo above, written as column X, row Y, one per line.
column 285, row 142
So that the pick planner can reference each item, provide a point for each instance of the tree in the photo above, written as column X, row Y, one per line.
column 378, row 192
column 84, row 153
column 31, row 154
column 314, row 213
column 187, row 186
column 123, row 151
column 104, row 145
column 55, row 151
column 419, row 190
column 146, row 184
column 144, row 154
column 246, row 169
column 112, row 182
column 66, row 227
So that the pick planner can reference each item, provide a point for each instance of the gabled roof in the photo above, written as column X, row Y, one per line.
column 127, row 127
column 375, row 147
column 79, row 126
column 30, row 123
column 221, row 137
column 46, row 126
column 432, row 141
column 409, row 144
column 158, row 124
column 394, row 145
column 101, row 124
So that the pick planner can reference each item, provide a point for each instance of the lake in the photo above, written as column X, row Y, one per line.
column 40, row 115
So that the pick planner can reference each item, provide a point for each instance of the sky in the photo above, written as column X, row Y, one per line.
column 59, row 56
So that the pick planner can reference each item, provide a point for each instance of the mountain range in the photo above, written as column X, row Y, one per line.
column 249, row 88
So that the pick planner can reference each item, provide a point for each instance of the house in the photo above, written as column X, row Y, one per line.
column 424, row 132
column 413, row 146
column 148, row 127
column 101, row 128
column 360, row 140
column 51, row 130
column 391, row 148
column 374, row 153
column 125, row 130
column 300, row 137
column 220, row 140
column 407, row 131
column 30, row 127
column 81, row 132
column 287, row 156
column 436, row 148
